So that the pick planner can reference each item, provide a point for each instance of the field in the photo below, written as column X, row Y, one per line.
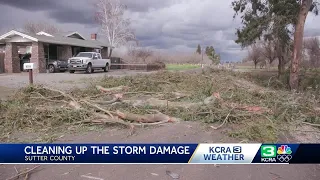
column 179, row 67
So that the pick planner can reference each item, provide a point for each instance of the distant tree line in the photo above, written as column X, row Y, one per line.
column 210, row 52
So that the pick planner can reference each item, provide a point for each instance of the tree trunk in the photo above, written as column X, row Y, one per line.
column 298, row 40
column 110, row 52
column 281, row 66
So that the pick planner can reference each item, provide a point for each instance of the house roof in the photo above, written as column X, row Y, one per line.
column 75, row 33
column 44, row 33
column 56, row 39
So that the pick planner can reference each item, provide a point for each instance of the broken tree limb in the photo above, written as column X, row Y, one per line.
column 22, row 173
column 61, row 92
column 106, row 119
column 149, row 118
column 112, row 90
column 107, row 102
column 310, row 124
column 153, row 102
column 99, row 108
column 224, row 122
column 117, row 98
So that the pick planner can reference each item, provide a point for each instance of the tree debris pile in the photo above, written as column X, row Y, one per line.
column 161, row 98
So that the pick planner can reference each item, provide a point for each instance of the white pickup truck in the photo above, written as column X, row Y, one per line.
column 88, row 61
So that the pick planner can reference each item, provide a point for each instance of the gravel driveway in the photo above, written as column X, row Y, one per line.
column 62, row 81
column 185, row 132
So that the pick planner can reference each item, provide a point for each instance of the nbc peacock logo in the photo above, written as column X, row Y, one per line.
column 284, row 153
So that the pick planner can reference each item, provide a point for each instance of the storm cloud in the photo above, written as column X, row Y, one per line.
column 171, row 25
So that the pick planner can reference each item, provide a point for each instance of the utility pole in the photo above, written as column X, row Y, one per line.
column 202, row 54
column 204, row 36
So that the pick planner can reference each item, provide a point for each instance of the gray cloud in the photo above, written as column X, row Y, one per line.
column 145, row 5
column 74, row 16
column 171, row 25
column 33, row 5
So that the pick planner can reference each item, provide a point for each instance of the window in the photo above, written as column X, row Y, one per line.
column 95, row 56
column 84, row 54
column 99, row 56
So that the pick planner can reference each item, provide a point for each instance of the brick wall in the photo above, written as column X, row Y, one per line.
column 1, row 62
column 104, row 53
column 66, row 53
column 11, row 59
column 37, row 57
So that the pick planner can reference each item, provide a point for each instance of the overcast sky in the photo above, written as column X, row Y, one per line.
column 170, row 25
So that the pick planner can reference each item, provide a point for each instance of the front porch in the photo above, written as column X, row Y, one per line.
column 40, row 50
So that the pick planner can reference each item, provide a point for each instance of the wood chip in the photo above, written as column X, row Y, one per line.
column 91, row 177
column 173, row 175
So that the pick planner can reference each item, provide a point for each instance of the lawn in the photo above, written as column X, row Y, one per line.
column 179, row 67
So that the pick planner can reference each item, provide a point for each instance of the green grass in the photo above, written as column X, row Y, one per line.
column 179, row 67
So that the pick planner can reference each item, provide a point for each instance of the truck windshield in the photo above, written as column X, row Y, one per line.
column 84, row 54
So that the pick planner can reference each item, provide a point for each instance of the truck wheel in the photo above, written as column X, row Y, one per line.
column 51, row 68
column 106, row 68
column 71, row 71
column 89, row 69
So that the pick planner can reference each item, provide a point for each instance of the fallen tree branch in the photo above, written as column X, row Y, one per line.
column 22, row 173
column 61, row 92
column 117, row 98
column 99, row 108
column 112, row 90
column 225, row 120
column 106, row 119
column 47, row 99
column 310, row 124
column 153, row 102
column 149, row 118
column 107, row 102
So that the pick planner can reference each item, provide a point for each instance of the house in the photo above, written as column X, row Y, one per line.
column 44, row 47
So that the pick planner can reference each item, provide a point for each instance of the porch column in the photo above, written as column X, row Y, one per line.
column 37, row 57
column 11, row 59
column 104, row 53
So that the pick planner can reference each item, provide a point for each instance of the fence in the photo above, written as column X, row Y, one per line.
column 140, row 67
column 119, row 63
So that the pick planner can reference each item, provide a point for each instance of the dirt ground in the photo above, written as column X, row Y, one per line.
column 183, row 132
column 62, row 81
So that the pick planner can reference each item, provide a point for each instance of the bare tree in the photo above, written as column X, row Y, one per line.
column 269, row 51
column 312, row 50
column 114, row 26
column 140, row 54
column 254, row 54
column 35, row 27
column 144, row 53
column 133, row 51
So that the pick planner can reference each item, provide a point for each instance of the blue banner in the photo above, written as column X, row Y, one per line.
column 159, row 153
column 96, row 153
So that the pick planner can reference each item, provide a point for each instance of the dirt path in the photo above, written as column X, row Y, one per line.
column 185, row 132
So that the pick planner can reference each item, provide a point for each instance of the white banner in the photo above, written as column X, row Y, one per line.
column 224, row 153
